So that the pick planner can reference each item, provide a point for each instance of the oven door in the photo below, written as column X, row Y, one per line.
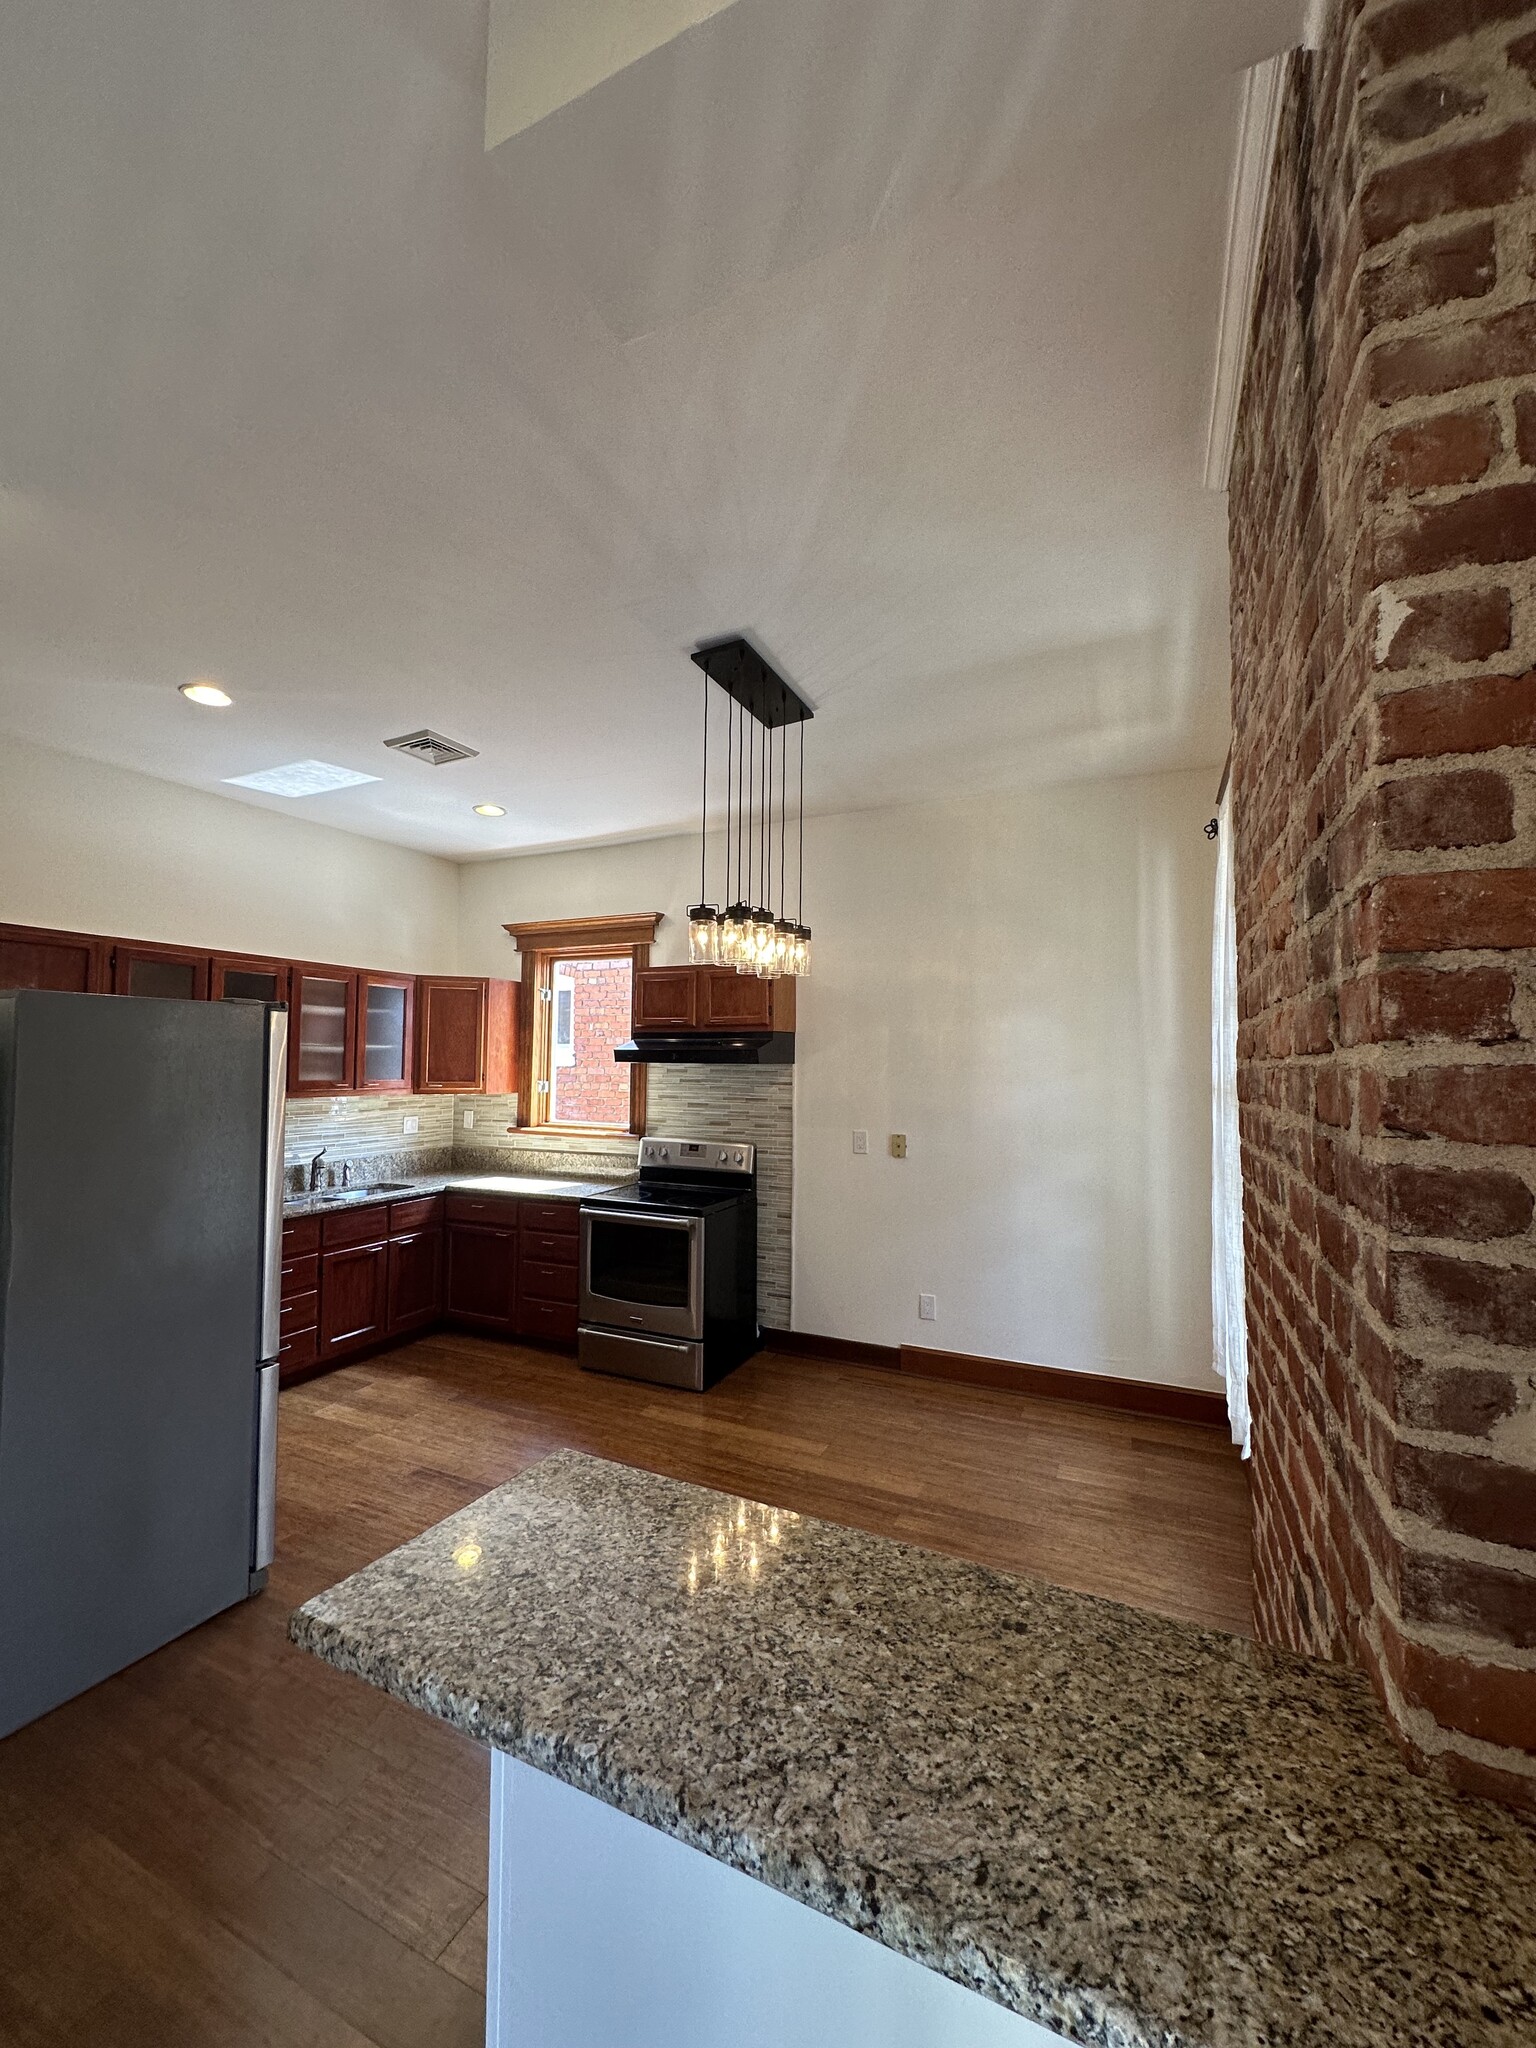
column 643, row 1270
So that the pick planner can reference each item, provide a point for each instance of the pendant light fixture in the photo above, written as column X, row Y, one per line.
column 750, row 934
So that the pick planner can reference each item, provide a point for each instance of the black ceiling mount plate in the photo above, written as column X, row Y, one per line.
column 743, row 674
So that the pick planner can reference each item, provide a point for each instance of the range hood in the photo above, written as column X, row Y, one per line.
column 708, row 1049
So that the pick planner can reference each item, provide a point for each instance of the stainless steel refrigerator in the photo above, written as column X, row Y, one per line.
column 141, row 1187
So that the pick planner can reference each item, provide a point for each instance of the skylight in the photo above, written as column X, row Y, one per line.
column 301, row 778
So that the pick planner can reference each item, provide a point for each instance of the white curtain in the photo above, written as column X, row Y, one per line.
column 1228, row 1310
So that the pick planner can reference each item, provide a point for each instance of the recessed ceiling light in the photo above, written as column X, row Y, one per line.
column 301, row 778
column 490, row 810
column 206, row 693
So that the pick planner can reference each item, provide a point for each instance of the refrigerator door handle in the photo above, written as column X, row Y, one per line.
column 272, row 1190
column 264, row 1520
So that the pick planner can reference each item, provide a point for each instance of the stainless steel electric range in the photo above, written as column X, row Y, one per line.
column 669, row 1266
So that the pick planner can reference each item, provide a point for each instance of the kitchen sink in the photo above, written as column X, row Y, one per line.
column 386, row 1187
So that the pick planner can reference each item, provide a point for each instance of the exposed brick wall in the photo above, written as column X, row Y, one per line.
column 1383, row 527
column 595, row 1090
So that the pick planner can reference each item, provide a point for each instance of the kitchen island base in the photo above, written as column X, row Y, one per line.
column 605, row 1930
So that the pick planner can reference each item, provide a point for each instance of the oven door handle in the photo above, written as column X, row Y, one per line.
column 643, row 1216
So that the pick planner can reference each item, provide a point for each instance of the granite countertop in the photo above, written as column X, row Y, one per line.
column 1138, row 1833
column 325, row 1199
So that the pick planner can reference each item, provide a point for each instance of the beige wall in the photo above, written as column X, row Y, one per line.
column 1021, row 985
column 94, row 848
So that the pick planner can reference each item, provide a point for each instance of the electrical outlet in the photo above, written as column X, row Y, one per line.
column 411, row 1126
column 861, row 1141
column 927, row 1308
column 469, row 1119
column 898, row 1144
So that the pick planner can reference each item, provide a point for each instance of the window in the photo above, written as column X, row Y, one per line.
column 578, row 981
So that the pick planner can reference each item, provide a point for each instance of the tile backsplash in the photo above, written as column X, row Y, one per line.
column 755, row 1105
column 368, row 1130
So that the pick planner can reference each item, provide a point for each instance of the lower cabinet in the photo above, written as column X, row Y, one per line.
column 482, row 1275
column 354, row 1298
column 415, row 1281
column 364, row 1274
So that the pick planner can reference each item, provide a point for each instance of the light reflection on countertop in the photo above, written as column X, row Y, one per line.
column 741, row 1547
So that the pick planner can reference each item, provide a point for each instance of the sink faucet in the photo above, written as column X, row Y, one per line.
column 314, row 1170
column 346, row 1173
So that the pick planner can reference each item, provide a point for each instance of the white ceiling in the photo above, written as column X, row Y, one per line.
column 882, row 330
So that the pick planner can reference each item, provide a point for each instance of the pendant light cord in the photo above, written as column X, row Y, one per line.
column 800, row 863
column 704, row 803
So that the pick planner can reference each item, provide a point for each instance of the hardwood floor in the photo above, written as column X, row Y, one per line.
column 231, row 1844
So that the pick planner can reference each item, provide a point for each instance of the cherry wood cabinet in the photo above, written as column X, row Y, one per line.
column 710, row 999
column 415, row 1281
column 482, row 1275
column 466, row 1036
column 174, row 971
column 731, row 1001
column 385, row 1052
column 367, row 1273
column 322, row 1031
column 351, row 1031
column 72, row 962
column 665, row 999
column 354, row 1297
column 245, row 978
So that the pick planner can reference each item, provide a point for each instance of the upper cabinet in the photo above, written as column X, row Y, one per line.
column 322, row 1031
column 71, row 962
column 665, row 999
column 237, row 978
column 384, row 1051
column 173, row 971
column 681, row 999
column 350, row 1031
column 466, row 1036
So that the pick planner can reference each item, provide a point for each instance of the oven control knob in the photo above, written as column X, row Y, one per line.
column 741, row 1158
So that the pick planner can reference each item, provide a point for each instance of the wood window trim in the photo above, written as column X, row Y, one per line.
column 576, row 938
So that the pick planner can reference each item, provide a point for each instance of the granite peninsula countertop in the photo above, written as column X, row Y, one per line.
column 1137, row 1833
column 406, row 1189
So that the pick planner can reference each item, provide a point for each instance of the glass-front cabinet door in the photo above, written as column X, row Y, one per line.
column 385, row 1012
column 160, row 971
column 237, row 980
column 323, row 1036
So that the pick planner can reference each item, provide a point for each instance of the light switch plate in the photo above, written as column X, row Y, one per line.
column 927, row 1308
column 898, row 1144
column 411, row 1126
column 861, row 1141
column 469, row 1119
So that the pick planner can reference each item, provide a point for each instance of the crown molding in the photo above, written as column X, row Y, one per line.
column 1258, row 131
column 590, row 933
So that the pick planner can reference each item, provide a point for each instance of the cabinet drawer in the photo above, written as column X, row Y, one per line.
column 300, row 1311
column 301, row 1274
column 497, row 1210
column 560, row 1217
column 552, row 1247
column 554, row 1321
column 406, row 1218
column 547, row 1283
column 301, row 1234
column 368, row 1225
column 296, row 1351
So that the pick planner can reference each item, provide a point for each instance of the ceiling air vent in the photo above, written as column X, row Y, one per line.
column 432, row 748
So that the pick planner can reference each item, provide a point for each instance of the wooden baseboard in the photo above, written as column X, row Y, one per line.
column 1099, row 1390
column 845, row 1350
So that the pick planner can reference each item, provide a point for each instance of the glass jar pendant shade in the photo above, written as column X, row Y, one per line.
column 757, row 933
column 703, row 935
